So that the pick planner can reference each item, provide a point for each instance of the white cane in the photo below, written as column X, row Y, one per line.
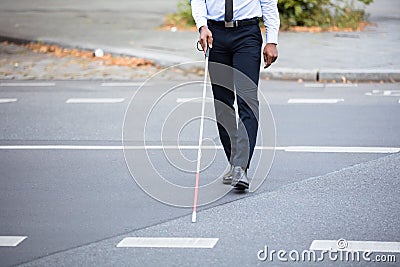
column 203, row 104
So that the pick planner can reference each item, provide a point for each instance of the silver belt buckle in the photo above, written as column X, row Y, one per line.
column 230, row 24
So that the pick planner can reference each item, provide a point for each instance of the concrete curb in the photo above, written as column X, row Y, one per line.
column 391, row 75
column 361, row 75
column 289, row 74
column 168, row 60
column 162, row 59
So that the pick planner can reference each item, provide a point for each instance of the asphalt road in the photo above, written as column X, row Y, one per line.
column 66, row 187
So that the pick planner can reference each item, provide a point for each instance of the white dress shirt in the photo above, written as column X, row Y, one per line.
column 202, row 10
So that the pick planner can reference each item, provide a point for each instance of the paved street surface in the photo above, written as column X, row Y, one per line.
column 67, row 189
column 68, row 194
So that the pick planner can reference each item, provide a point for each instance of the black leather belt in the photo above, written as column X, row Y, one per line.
column 234, row 23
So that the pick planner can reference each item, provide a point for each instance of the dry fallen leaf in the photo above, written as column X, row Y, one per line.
column 107, row 59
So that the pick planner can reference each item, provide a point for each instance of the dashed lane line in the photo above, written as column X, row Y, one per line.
column 27, row 84
column 11, row 241
column 8, row 100
column 167, row 242
column 193, row 100
column 332, row 85
column 94, row 100
column 49, row 84
column 394, row 93
column 123, row 84
column 315, row 101
column 314, row 85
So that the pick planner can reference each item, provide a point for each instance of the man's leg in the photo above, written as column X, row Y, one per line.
column 221, row 76
column 247, row 60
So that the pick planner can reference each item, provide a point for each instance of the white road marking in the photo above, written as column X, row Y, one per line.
column 299, row 149
column 314, row 101
column 383, row 93
column 373, row 246
column 94, row 100
column 334, row 85
column 195, row 100
column 123, row 84
column 59, row 147
column 7, row 100
column 399, row 101
column 341, row 85
column 394, row 93
column 101, row 147
column 11, row 241
column 167, row 242
column 336, row 149
column 314, row 85
column 27, row 84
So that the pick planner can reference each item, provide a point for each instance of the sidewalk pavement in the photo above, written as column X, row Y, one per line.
column 131, row 28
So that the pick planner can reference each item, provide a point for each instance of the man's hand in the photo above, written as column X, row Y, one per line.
column 205, row 38
column 270, row 54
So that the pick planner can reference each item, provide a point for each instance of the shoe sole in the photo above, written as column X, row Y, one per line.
column 227, row 181
column 241, row 186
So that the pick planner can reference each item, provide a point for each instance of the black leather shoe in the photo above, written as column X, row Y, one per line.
column 227, row 178
column 239, row 178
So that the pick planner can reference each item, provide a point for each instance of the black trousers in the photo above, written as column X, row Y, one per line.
column 234, row 66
